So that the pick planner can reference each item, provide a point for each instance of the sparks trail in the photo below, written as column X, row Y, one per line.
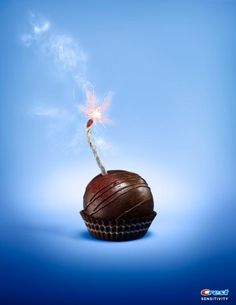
column 95, row 114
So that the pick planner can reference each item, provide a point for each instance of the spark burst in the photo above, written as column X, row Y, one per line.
column 95, row 112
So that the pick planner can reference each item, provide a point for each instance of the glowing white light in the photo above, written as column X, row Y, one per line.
column 96, row 115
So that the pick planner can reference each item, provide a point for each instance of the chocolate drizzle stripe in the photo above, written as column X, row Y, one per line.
column 123, row 175
column 133, row 208
column 121, row 189
column 130, row 187
column 108, row 188
column 103, row 188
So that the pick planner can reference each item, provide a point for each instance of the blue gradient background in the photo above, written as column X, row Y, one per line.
column 172, row 67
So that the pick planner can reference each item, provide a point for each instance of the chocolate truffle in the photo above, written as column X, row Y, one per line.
column 118, row 206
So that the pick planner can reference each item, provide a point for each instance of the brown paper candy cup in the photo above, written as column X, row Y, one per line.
column 118, row 230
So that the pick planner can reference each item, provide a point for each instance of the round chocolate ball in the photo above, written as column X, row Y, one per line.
column 118, row 195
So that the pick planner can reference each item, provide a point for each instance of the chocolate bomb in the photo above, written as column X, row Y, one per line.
column 118, row 206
